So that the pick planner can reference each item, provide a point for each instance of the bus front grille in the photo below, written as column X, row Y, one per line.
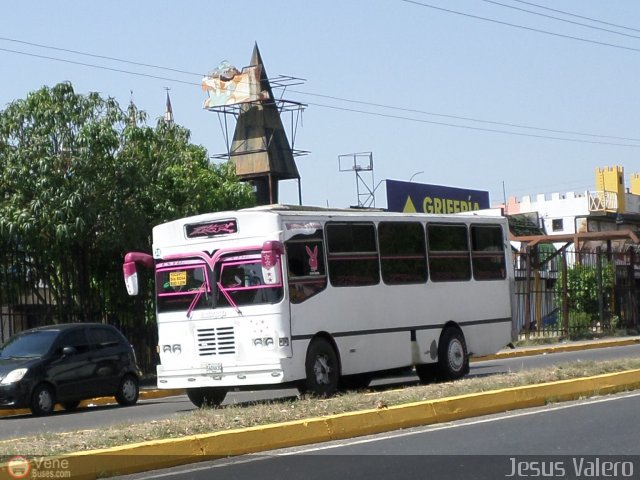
column 216, row 341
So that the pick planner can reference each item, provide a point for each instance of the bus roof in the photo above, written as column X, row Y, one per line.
column 257, row 223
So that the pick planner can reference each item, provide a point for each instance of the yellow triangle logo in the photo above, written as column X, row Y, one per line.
column 409, row 207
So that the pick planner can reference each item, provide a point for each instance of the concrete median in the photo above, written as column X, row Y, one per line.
column 153, row 455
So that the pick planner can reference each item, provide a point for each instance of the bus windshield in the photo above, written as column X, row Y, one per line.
column 182, row 287
column 239, row 281
column 242, row 282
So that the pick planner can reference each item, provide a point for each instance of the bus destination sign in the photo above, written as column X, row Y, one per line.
column 211, row 229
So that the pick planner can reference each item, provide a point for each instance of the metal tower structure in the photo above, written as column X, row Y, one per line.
column 361, row 164
column 259, row 148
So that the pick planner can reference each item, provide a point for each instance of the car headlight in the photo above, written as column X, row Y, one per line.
column 14, row 376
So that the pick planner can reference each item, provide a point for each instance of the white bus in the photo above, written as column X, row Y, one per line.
column 323, row 299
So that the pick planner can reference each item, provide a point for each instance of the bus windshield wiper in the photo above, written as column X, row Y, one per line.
column 194, row 302
column 229, row 299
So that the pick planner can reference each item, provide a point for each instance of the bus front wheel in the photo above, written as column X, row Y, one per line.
column 206, row 397
column 321, row 368
column 453, row 360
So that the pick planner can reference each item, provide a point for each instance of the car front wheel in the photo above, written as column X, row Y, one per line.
column 128, row 391
column 42, row 400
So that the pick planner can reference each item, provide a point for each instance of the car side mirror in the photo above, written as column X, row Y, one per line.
column 67, row 351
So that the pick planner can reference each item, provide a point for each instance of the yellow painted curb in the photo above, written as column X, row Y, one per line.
column 172, row 452
column 568, row 347
column 144, row 395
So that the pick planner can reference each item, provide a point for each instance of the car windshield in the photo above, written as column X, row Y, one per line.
column 28, row 344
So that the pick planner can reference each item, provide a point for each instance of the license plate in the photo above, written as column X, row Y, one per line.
column 213, row 367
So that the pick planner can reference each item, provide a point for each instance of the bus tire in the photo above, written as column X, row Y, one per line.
column 206, row 397
column 427, row 372
column 453, row 360
column 321, row 367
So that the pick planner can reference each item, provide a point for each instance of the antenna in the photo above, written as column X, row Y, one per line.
column 361, row 164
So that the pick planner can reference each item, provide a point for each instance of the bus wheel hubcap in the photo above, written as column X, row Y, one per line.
column 456, row 355
column 322, row 369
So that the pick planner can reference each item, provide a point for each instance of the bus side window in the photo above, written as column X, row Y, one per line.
column 487, row 252
column 352, row 254
column 306, row 267
column 449, row 256
column 403, row 254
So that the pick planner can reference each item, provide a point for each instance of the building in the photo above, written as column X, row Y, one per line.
column 611, row 206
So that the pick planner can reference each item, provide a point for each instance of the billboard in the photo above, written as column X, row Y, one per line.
column 237, row 87
column 411, row 197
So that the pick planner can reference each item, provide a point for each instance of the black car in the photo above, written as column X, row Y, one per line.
column 65, row 364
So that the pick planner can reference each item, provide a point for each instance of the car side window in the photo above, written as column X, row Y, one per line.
column 76, row 339
column 104, row 337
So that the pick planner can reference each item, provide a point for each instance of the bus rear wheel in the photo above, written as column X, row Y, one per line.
column 321, row 367
column 453, row 360
column 206, row 397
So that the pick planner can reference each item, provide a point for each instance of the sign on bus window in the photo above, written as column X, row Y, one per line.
column 306, row 266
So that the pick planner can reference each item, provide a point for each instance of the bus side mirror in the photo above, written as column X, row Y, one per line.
column 270, row 259
column 130, row 277
column 130, row 272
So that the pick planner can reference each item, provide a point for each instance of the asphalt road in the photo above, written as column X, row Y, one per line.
column 579, row 439
column 97, row 417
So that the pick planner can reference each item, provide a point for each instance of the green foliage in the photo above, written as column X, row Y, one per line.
column 584, row 291
column 84, row 181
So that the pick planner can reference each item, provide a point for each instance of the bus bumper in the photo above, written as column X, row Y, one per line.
column 229, row 377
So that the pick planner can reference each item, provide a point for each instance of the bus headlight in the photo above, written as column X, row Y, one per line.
column 175, row 348
column 266, row 342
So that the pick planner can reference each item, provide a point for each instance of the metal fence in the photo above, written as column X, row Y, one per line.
column 28, row 299
column 557, row 293
column 576, row 293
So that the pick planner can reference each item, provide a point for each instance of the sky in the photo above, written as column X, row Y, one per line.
column 467, row 93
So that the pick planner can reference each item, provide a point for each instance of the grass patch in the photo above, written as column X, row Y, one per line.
column 266, row 412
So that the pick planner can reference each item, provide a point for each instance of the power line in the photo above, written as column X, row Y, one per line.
column 101, row 67
column 560, row 19
column 104, row 57
column 457, row 117
column 578, row 16
column 522, row 27
column 467, row 127
column 422, row 112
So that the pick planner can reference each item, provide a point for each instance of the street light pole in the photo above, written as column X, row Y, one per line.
column 417, row 173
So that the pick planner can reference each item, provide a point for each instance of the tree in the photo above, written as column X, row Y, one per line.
column 83, row 181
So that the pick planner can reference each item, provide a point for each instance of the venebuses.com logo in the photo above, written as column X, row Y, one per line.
column 21, row 467
column 18, row 467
